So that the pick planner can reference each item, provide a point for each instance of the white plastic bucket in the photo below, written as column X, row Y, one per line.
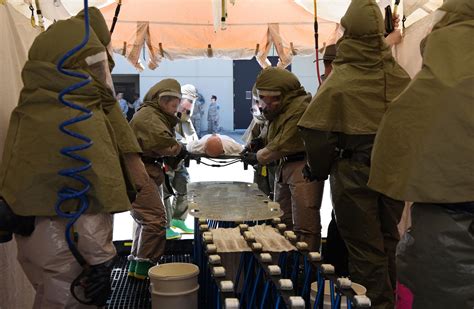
column 359, row 289
column 174, row 285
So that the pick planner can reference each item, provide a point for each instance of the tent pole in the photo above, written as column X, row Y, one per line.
column 316, row 36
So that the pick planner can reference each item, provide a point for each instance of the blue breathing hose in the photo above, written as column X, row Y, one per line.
column 68, row 193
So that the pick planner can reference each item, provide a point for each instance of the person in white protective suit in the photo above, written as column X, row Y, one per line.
column 30, row 185
column 176, row 202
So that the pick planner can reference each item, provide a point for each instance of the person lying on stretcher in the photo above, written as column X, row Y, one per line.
column 215, row 145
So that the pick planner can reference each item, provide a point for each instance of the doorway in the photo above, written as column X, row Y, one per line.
column 245, row 73
column 129, row 85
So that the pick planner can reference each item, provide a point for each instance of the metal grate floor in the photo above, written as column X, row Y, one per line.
column 132, row 293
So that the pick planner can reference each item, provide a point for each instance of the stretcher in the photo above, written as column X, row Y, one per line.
column 220, row 161
column 248, row 258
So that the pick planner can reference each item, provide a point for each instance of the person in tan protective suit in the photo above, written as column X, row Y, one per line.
column 29, row 179
column 154, row 125
column 284, row 101
column 423, row 153
column 339, row 128
column 335, row 251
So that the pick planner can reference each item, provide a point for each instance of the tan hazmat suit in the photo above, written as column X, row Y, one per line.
column 339, row 127
column 154, row 130
column 424, row 153
column 299, row 200
column 29, row 179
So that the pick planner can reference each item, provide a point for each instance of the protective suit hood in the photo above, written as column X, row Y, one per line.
column 48, row 48
column 282, row 131
column 277, row 81
column 365, row 77
column 166, row 87
column 189, row 92
column 362, row 20
column 462, row 10
column 34, row 140
column 154, row 128
column 423, row 150
column 98, row 24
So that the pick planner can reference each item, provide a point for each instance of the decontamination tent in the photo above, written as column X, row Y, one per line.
column 178, row 29
column 175, row 31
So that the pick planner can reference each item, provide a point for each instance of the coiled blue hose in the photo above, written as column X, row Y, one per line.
column 68, row 193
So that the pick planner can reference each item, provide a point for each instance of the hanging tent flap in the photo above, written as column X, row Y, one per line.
column 178, row 31
column 193, row 29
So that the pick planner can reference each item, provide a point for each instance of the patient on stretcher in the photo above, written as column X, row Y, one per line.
column 215, row 145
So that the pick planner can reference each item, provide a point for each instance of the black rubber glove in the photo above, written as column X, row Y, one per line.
column 250, row 158
column 307, row 173
column 95, row 284
column 183, row 153
column 13, row 223
column 256, row 144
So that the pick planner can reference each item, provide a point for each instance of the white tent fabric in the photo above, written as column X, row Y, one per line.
column 419, row 21
column 407, row 52
column 421, row 15
column 17, row 35
column 55, row 9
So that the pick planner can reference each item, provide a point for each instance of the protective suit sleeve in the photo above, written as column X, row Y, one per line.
column 154, row 134
column 192, row 132
column 170, row 151
column 283, row 136
column 320, row 151
column 265, row 155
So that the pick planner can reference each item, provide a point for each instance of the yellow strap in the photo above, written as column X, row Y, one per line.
column 223, row 11
column 264, row 171
column 32, row 18
column 315, row 10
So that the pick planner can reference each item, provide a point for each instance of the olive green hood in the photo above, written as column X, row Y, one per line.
column 283, row 133
column 51, row 45
column 166, row 87
column 100, row 28
column 364, row 79
column 98, row 24
column 276, row 81
column 424, row 149
column 29, row 179
column 153, row 127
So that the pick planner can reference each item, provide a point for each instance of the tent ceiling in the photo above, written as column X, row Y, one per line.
column 172, row 30
column 192, row 29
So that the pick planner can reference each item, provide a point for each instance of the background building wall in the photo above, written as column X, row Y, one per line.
column 305, row 69
column 210, row 76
